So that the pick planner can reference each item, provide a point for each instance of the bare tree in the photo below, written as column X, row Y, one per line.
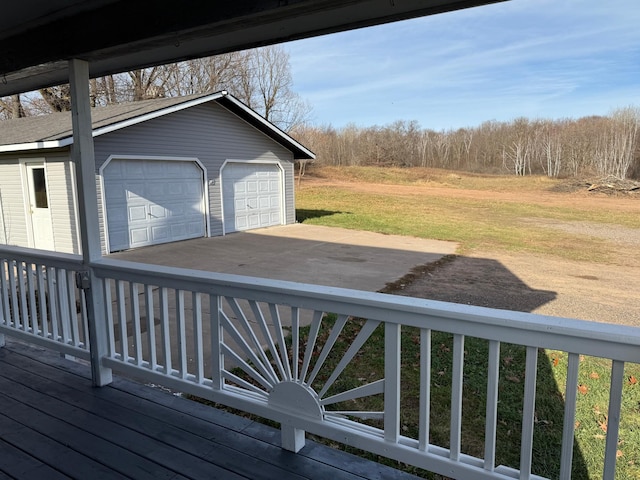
column 11, row 107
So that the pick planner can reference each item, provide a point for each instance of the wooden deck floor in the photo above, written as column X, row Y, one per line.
column 54, row 425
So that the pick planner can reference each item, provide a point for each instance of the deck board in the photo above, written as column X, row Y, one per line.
column 54, row 424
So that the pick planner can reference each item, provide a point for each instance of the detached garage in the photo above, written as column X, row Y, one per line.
column 166, row 170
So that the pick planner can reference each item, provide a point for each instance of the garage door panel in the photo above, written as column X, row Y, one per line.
column 137, row 213
column 252, row 196
column 156, row 202
column 139, row 235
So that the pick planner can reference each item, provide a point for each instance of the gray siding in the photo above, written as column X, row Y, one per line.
column 289, row 188
column 13, row 224
column 207, row 132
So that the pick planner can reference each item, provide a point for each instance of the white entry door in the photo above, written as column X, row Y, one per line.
column 252, row 196
column 153, row 201
column 39, row 211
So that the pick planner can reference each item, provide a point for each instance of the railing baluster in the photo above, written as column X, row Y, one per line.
column 4, row 276
column 73, row 309
column 264, row 328
column 326, row 349
column 134, row 303
column 528, row 412
column 84, row 319
column 311, row 343
column 52, row 287
column 63, row 300
column 295, row 341
column 108, row 305
column 15, row 309
column 22, row 289
column 196, row 301
column 392, row 382
column 282, row 346
column 613, row 420
column 457, row 380
column 43, row 301
column 122, row 320
column 33, row 310
column 164, row 329
column 261, row 356
column 491, row 417
column 182, row 335
column 568, row 428
column 217, row 358
column 425, row 389
column 351, row 352
column 151, row 327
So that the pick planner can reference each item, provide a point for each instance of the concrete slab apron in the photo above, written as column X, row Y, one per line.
column 320, row 255
column 301, row 253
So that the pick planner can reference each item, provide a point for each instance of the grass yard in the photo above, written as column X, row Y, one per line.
column 488, row 213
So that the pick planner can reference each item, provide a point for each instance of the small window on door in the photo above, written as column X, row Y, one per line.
column 39, row 188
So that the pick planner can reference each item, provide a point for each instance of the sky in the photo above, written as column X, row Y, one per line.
column 548, row 59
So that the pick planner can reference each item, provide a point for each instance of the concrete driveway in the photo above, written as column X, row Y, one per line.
column 330, row 256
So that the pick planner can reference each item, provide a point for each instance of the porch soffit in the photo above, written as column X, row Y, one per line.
column 39, row 36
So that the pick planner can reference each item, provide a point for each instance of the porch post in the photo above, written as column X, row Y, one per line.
column 84, row 159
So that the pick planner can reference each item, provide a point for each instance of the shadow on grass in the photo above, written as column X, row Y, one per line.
column 302, row 214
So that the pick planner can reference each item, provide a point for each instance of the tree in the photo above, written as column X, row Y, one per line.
column 11, row 107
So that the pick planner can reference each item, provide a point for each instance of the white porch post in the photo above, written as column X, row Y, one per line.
column 84, row 159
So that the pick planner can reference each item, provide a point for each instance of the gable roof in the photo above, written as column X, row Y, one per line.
column 55, row 130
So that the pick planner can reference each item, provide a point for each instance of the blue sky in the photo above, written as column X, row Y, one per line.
column 531, row 58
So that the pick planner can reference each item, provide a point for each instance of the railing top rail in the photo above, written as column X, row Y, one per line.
column 54, row 259
column 618, row 342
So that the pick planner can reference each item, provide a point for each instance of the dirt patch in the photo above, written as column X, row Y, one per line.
column 581, row 197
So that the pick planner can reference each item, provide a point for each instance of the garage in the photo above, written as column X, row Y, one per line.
column 148, row 202
column 252, row 196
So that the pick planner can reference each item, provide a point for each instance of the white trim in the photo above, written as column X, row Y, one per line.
column 19, row 147
column 283, row 189
column 157, row 158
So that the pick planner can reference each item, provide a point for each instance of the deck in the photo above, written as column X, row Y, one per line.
column 54, row 425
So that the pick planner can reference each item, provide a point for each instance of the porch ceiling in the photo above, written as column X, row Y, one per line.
column 38, row 36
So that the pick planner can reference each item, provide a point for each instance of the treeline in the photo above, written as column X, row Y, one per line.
column 603, row 146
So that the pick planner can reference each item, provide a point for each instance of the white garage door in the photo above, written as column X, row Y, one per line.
column 150, row 202
column 252, row 196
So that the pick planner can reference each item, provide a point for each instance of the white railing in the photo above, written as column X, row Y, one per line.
column 272, row 349
column 40, row 302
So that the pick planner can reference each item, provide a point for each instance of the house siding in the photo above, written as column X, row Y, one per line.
column 14, row 201
column 62, row 204
column 13, row 222
column 207, row 132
